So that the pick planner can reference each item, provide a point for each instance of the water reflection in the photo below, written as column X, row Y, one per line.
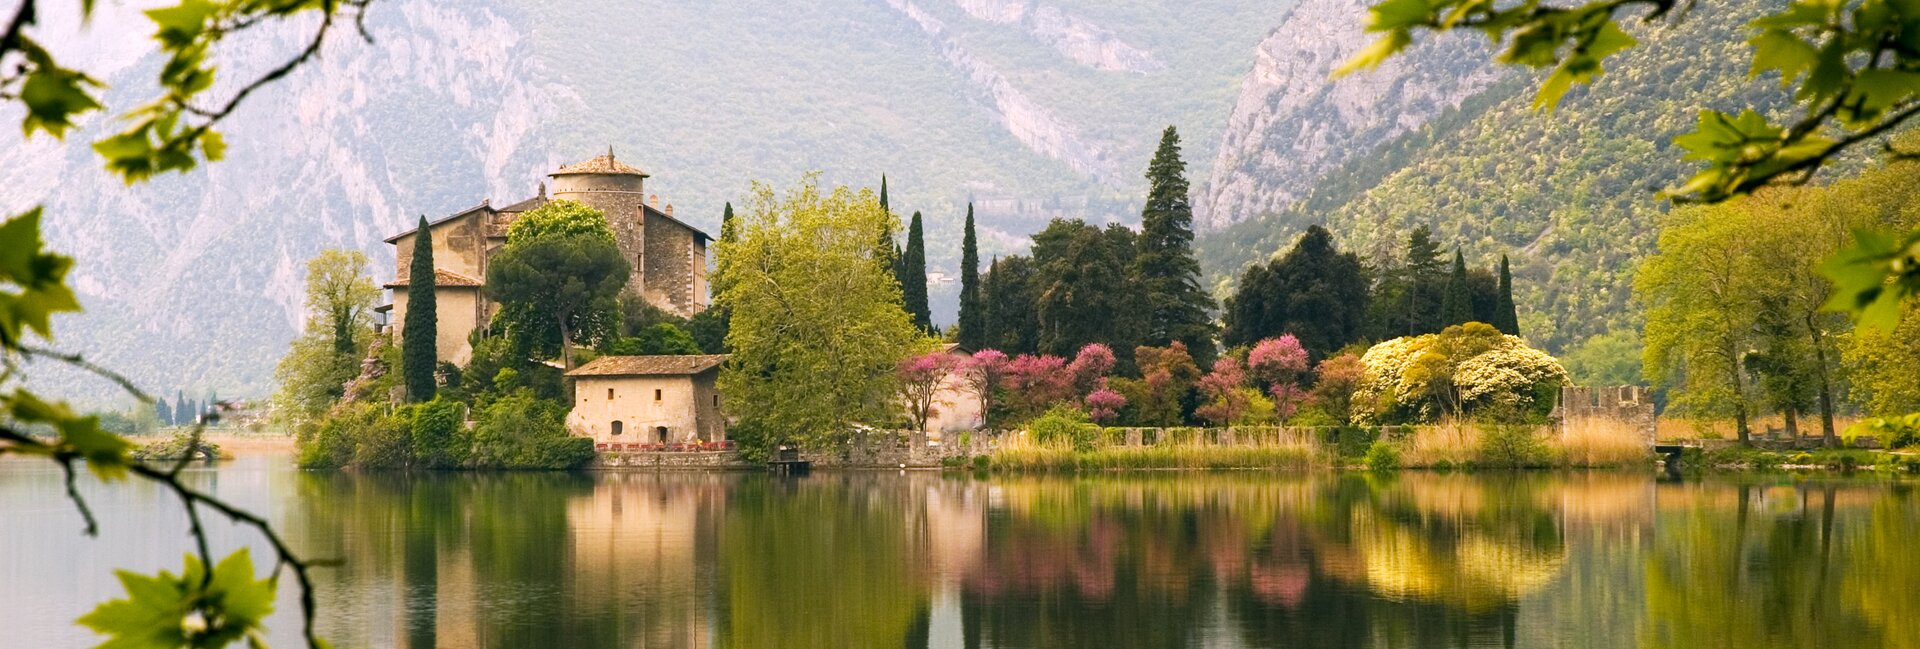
column 919, row 560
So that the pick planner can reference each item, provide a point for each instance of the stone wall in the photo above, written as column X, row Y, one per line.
column 669, row 268
column 672, row 460
column 1626, row 403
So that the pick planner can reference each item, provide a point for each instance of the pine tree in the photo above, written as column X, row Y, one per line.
column 1165, row 269
column 418, row 355
column 913, row 276
column 1425, row 277
column 1507, row 318
column 971, row 335
column 726, row 224
column 1457, row 304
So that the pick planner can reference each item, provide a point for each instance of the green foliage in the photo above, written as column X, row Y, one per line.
column 192, row 609
column 709, row 329
column 817, row 325
column 972, row 322
column 1505, row 316
column 1081, row 291
column 1880, row 366
column 659, row 339
column 438, row 434
column 1456, row 305
column 1165, row 270
column 1064, row 427
column 40, row 277
column 313, row 374
column 558, row 289
column 521, row 431
column 560, row 219
column 1612, row 358
column 1893, row 432
column 913, row 276
column 1875, row 275
column 1382, row 455
column 419, row 343
column 181, row 444
column 1512, row 447
column 1315, row 292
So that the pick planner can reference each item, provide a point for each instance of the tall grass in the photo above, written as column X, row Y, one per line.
column 1601, row 442
column 1448, row 443
column 1023, row 454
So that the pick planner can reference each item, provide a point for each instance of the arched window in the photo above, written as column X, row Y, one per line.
column 662, row 432
column 617, row 426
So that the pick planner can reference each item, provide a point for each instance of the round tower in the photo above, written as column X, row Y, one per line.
column 616, row 189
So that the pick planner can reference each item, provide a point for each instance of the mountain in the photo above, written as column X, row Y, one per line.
column 1030, row 108
column 1437, row 138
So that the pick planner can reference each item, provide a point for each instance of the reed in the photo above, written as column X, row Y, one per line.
column 1600, row 442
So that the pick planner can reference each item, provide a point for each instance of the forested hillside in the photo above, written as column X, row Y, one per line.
column 1031, row 109
column 1568, row 194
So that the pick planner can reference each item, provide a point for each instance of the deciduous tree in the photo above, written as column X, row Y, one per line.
column 817, row 325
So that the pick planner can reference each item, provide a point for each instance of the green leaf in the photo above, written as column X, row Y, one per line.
column 181, row 24
column 1778, row 49
column 1396, row 15
column 1374, row 54
column 53, row 97
column 1879, row 90
column 40, row 275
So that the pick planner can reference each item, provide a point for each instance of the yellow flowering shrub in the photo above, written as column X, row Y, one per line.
column 1466, row 368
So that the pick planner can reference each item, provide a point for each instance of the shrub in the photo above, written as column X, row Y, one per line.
column 1064, row 427
column 438, row 434
column 1892, row 432
column 177, row 446
column 521, row 431
column 1512, row 447
column 1464, row 369
column 1382, row 456
column 337, row 440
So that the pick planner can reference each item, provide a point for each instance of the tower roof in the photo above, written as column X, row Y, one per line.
column 601, row 164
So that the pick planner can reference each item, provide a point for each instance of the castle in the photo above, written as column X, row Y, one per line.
column 668, row 257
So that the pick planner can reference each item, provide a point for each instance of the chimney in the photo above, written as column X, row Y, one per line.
column 654, row 201
column 669, row 209
column 543, row 189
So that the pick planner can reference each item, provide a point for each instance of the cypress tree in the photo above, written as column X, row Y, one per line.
column 1456, row 306
column 726, row 223
column 180, row 408
column 1506, row 317
column 971, row 336
column 885, row 251
column 913, row 276
column 418, row 355
column 1164, row 268
column 162, row 412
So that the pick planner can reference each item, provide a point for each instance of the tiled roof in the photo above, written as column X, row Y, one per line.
column 603, row 164
column 649, row 365
column 440, row 278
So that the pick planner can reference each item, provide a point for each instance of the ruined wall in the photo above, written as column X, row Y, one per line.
column 1626, row 403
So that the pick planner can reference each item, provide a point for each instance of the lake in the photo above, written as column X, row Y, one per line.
column 921, row 559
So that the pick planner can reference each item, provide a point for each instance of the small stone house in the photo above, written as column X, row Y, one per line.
column 648, row 400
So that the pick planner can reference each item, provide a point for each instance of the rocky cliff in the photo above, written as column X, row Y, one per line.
column 1293, row 122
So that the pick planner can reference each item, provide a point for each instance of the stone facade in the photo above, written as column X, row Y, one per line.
column 668, row 257
column 652, row 400
column 1629, row 403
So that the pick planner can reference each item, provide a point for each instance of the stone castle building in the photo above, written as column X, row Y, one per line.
column 668, row 257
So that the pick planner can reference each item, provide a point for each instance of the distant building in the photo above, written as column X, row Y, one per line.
column 648, row 400
column 668, row 256
column 956, row 403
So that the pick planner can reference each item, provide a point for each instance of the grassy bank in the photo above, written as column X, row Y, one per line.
column 1594, row 443
column 1754, row 459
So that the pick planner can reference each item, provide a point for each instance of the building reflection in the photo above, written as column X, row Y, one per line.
column 882, row 560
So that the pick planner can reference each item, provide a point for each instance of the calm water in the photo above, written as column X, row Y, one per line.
column 918, row 560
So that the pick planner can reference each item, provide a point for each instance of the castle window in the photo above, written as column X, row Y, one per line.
column 617, row 426
column 609, row 394
column 656, row 395
column 716, row 401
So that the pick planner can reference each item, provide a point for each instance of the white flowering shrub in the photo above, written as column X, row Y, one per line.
column 1469, row 368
